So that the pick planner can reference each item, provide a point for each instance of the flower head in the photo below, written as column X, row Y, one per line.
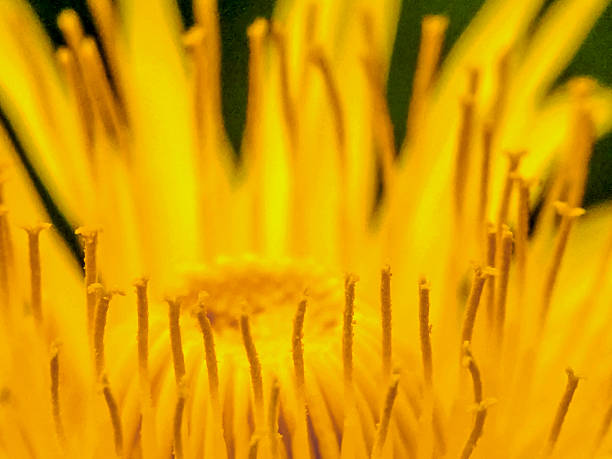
column 326, row 295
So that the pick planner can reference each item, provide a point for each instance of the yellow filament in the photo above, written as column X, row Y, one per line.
column 35, row 273
column 433, row 31
column 209, row 351
column 194, row 43
column 603, row 430
column 55, row 401
column 502, row 285
column 347, row 331
column 277, row 33
column 273, row 419
column 490, row 262
column 568, row 214
column 473, row 301
column 570, row 388
column 113, row 412
column 142, row 308
column 425, row 330
column 178, row 421
column 385, row 418
column 485, row 172
column 383, row 126
column 297, row 346
column 481, row 410
column 99, row 87
column 70, row 25
column 174, row 314
column 104, row 16
column 255, row 369
column 501, row 92
column 89, row 239
column 385, row 312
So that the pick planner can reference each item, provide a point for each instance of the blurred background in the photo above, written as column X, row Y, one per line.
column 594, row 59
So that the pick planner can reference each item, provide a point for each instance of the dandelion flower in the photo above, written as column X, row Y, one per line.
column 324, row 296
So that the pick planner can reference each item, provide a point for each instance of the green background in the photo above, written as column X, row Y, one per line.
column 594, row 58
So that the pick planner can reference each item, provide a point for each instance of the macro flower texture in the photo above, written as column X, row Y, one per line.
column 317, row 294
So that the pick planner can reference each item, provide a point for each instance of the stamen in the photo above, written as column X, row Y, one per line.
column 55, row 401
column 385, row 312
column 522, row 231
column 5, row 258
column 253, row 447
column 104, row 16
column 103, row 302
column 277, row 33
column 114, row 416
column 89, row 239
column 255, row 368
column 347, row 331
column 67, row 61
column 35, row 273
column 252, row 139
column 570, row 388
column 318, row 58
column 178, row 420
column 490, row 286
column 174, row 314
column 385, row 418
column 603, row 430
column 433, row 31
column 298, row 346
column 462, row 157
column 514, row 159
column 568, row 214
column 70, row 25
column 480, row 276
column 142, row 307
column 501, row 92
column 383, row 126
column 481, row 407
column 194, row 43
column 485, row 172
column 502, row 286
column 209, row 351
column 273, row 418
column 99, row 86
column 425, row 330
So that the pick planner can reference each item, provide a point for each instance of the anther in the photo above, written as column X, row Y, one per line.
column 35, row 272
column 142, row 308
column 114, row 416
column 568, row 214
column 209, row 351
column 385, row 418
column 481, row 407
column 347, row 331
column 55, row 400
column 570, row 388
column 424, row 331
column 255, row 369
column 178, row 359
column 385, row 312
column 502, row 284
column 433, row 31
column 89, row 239
column 478, row 282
